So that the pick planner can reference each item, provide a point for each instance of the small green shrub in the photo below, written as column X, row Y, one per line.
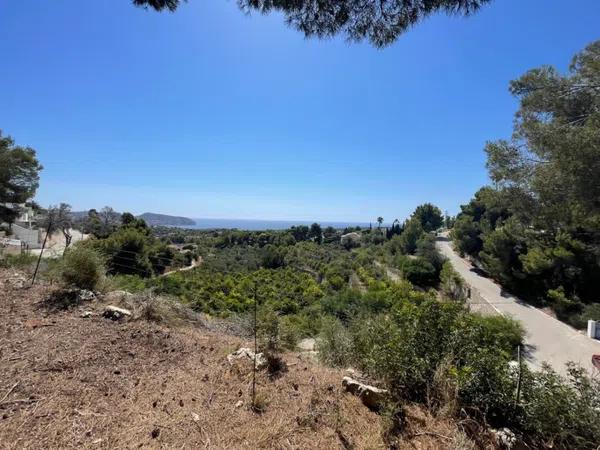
column 562, row 412
column 260, row 403
column 417, row 270
column 82, row 267
column 452, row 284
column 590, row 312
column 289, row 332
column 566, row 309
column 21, row 261
column 129, row 283
column 335, row 343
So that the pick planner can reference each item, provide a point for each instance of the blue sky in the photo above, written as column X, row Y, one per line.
column 210, row 113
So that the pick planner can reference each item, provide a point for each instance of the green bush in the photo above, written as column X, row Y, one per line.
column 21, row 261
column 129, row 283
column 452, row 284
column 334, row 343
column 559, row 412
column 82, row 267
column 417, row 270
column 588, row 312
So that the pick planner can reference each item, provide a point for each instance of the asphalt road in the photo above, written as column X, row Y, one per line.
column 548, row 339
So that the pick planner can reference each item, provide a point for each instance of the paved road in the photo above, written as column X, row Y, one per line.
column 547, row 338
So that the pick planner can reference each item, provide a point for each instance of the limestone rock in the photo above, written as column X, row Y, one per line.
column 116, row 313
column 86, row 296
column 307, row 345
column 246, row 353
column 505, row 438
column 371, row 396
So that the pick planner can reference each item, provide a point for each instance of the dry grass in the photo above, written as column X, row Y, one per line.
column 70, row 382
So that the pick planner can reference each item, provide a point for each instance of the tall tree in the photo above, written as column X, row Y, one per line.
column 61, row 218
column 553, row 158
column 109, row 218
column 19, row 177
column 380, row 22
column 429, row 216
column 538, row 229
column 316, row 233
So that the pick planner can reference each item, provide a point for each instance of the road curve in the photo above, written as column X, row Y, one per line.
column 548, row 339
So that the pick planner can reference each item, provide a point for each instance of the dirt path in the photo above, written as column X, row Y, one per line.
column 195, row 263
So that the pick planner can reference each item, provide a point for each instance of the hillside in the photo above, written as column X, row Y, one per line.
column 72, row 382
column 154, row 219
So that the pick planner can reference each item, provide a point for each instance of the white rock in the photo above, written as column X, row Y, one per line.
column 116, row 313
column 505, row 438
column 261, row 361
column 86, row 314
column 307, row 345
column 371, row 396
column 85, row 296
column 239, row 404
column 195, row 417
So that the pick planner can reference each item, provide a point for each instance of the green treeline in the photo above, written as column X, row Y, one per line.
column 537, row 231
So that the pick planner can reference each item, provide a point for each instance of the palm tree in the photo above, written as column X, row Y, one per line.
column 379, row 221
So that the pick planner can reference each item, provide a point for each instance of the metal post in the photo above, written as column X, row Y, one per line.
column 37, row 266
column 255, row 347
column 518, row 396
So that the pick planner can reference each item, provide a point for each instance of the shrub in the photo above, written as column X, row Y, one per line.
column 561, row 412
column 129, row 283
column 451, row 283
column 424, row 349
column 289, row 332
column 504, row 333
column 82, row 267
column 21, row 261
column 334, row 344
column 589, row 312
column 260, row 403
column 417, row 270
column 566, row 309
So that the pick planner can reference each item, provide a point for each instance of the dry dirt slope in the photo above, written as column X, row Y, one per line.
column 68, row 381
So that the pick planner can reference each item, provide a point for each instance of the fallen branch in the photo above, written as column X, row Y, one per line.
column 431, row 433
column 22, row 400
column 9, row 392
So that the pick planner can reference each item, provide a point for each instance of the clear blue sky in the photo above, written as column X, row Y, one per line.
column 210, row 113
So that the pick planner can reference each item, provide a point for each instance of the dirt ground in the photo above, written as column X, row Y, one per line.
column 73, row 382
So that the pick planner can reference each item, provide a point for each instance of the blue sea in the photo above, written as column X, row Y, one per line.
column 257, row 225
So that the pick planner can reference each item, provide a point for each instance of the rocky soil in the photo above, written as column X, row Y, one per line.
column 71, row 378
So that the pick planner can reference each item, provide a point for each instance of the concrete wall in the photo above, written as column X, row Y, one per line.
column 30, row 237
column 593, row 330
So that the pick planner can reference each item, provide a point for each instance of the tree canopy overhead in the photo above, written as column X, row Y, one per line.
column 380, row 22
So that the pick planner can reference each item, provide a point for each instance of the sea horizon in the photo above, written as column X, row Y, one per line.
column 268, row 224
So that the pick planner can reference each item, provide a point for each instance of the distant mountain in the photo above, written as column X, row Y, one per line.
column 164, row 220
column 151, row 219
